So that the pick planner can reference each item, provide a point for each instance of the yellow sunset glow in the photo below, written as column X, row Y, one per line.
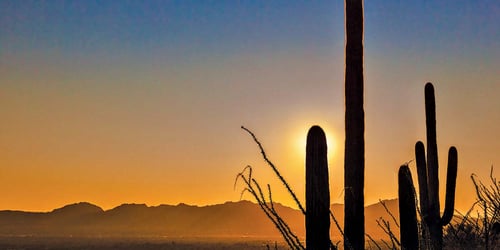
column 300, row 142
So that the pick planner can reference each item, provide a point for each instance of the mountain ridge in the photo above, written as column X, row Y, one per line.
column 229, row 219
column 86, row 203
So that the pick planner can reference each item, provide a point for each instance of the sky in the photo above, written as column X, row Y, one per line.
column 116, row 102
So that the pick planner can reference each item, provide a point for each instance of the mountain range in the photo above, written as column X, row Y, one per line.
column 231, row 219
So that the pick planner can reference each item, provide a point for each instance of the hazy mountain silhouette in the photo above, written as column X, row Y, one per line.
column 231, row 219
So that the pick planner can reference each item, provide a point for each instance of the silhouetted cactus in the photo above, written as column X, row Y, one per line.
column 354, row 161
column 317, row 191
column 407, row 210
column 428, row 179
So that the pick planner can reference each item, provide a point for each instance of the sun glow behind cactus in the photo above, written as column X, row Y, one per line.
column 300, row 138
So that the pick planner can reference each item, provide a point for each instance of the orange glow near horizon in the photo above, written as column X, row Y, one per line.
column 143, row 102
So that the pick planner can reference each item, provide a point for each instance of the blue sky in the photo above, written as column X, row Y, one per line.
column 188, row 26
column 238, row 25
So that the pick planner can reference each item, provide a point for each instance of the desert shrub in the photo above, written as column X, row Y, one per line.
column 479, row 228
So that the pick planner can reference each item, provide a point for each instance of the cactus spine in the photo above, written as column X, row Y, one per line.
column 428, row 179
column 317, row 191
column 354, row 161
column 407, row 210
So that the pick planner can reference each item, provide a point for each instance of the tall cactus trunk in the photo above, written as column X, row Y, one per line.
column 317, row 191
column 407, row 210
column 434, row 225
column 354, row 162
column 428, row 178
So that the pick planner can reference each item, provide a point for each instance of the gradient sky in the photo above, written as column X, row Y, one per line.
column 142, row 101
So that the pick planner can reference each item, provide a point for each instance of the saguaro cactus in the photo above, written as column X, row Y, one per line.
column 407, row 210
column 354, row 158
column 317, row 191
column 428, row 179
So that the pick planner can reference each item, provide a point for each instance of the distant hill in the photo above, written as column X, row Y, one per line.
column 231, row 219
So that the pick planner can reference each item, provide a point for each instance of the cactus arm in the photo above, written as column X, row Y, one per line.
column 317, row 191
column 407, row 210
column 422, row 178
column 451, row 179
